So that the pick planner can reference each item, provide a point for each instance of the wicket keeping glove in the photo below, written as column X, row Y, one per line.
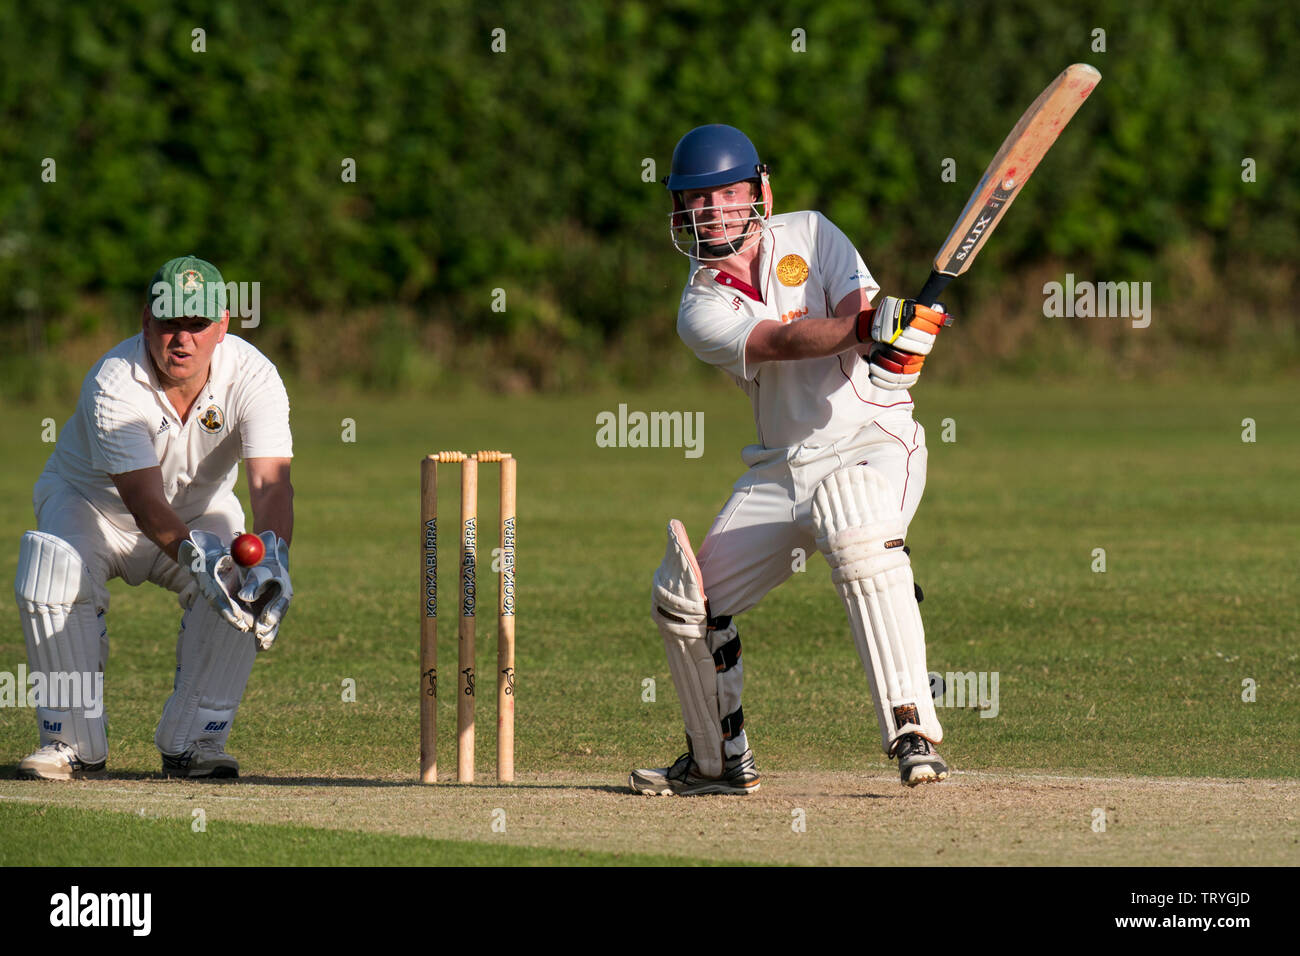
column 213, row 571
column 267, row 589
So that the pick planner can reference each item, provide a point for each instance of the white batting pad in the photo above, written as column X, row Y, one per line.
column 860, row 531
column 66, row 643
column 680, row 613
column 213, row 661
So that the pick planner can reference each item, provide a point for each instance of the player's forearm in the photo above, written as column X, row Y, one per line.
column 163, row 526
column 273, row 509
column 808, row 338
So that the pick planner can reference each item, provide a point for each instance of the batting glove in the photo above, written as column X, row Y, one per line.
column 891, row 369
column 903, row 323
column 911, row 329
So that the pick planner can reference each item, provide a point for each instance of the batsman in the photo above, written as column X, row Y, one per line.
column 784, row 304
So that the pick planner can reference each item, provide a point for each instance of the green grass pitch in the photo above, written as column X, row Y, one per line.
column 1177, row 661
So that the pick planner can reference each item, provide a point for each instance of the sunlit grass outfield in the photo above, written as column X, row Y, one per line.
column 1137, row 670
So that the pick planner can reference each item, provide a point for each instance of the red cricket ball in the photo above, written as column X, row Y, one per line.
column 247, row 550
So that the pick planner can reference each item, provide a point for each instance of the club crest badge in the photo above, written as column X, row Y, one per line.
column 792, row 270
column 212, row 420
column 191, row 281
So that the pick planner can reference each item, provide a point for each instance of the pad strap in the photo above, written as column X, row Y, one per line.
column 733, row 723
column 725, row 657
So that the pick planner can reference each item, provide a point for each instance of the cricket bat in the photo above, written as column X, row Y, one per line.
column 1019, row 156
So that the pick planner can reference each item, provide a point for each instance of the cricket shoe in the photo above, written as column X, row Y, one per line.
column 918, row 761
column 57, row 761
column 203, row 758
column 683, row 778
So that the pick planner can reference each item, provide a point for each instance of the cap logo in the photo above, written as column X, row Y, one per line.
column 191, row 281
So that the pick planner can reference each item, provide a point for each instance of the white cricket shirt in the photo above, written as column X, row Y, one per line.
column 807, row 267
column 123, row 422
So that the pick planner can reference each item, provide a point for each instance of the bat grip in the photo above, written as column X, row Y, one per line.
column 934, row 287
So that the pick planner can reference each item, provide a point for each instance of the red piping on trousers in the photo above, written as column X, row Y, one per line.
column 849, row 378
column 907, row 468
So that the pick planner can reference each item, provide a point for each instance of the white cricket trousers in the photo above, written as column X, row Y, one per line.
column 765, row 531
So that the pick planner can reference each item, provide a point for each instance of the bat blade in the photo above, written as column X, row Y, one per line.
column 1008, row 171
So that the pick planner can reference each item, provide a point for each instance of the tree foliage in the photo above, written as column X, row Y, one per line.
column 522, row 170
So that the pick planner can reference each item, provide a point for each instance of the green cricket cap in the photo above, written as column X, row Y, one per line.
column 185, row 286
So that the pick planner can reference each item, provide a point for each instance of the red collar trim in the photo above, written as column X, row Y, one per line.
column 727, row 279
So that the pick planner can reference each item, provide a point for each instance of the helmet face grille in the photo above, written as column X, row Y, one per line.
column 714, row 233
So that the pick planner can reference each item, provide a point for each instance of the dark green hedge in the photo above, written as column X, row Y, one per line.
column 522, row 170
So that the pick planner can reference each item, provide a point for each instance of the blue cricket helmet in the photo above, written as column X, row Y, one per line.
column 713, row 155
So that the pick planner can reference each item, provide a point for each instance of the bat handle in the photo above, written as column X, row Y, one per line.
column 934, row 287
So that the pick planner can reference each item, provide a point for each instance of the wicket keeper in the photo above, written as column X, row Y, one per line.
column 140, row 486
